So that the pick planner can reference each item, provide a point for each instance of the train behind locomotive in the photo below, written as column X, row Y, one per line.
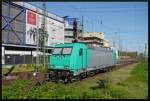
column 71, row 60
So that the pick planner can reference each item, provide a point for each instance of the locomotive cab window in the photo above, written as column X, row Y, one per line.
column 80, row 52
column 66, row 50
column 57, row 51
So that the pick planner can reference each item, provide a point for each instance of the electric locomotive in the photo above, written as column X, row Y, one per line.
column 76, row 60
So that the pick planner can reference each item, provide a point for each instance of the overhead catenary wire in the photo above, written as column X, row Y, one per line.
column 80, row 9
column 103, row 10
column 85, row 6
column 96, row 9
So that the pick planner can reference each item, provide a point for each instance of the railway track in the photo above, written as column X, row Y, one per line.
column 29, row 75
column 119, row 65
column 39, row 78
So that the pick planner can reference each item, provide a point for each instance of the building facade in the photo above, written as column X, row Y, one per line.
column 21, row 23
column 95, row 39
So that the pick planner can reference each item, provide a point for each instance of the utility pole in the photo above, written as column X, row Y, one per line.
column 114, row 44
column 37, row 45
column 119, row 43
column 44, row 30
column 139, row 47
column 126, row 49
column 82, row 27
column 75, row 31
column 145, row 50
column 40, row 39
column 93, row 25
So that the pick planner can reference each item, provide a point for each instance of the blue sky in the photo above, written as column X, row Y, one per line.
column 129, row 19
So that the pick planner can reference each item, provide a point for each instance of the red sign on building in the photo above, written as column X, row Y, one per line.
column 31, row 18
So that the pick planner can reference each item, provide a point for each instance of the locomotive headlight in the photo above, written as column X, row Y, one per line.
column 66, row 67
column 34, row 74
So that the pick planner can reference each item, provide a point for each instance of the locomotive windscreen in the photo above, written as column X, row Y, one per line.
column 62, row 50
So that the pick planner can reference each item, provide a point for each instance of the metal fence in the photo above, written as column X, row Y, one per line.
column 23, row 59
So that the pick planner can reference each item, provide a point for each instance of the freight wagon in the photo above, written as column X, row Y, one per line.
column 76, row 60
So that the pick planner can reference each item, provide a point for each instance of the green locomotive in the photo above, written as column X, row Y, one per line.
column 76, row 60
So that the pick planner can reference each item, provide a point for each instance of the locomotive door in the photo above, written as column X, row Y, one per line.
column 82, row 55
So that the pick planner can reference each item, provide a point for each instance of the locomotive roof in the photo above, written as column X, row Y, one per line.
column 73, row 44
column 68, row 44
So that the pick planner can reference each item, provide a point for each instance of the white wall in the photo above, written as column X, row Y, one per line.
column 14, row 52
column 55, row 30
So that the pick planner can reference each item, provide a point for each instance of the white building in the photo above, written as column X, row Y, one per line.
column 96, row 38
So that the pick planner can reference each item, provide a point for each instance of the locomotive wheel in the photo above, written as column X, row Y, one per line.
column 87, row 74
column 84, row 75
column 66, row 80
column 80, row 77
column 97, row 71
column 70, row 79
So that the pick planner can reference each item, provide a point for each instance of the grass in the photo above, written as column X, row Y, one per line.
column 22, row 68
column 135, row 85
column 14, row 91
column 130, row 82
column 19, row 68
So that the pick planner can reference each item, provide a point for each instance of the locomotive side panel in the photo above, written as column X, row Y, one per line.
column 108, row 60
column 95, row 58
column 100, row 58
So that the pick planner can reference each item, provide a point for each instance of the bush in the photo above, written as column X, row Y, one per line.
column 104, row 83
